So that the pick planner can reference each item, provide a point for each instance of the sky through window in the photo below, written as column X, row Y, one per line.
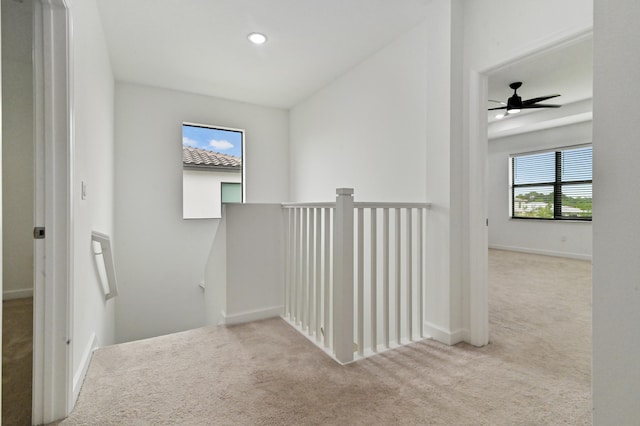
column 223, row 141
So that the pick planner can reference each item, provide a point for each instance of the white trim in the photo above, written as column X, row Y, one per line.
column 477, row 214
column 255, row 315
column 543, row 125
column 551, row 43
column 20, row 293
column 442, row 335
column 53, row 256
column 528, row 250
column 78, row 379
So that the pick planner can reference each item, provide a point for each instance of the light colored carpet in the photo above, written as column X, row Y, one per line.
column 17, row 358
column 536, row 371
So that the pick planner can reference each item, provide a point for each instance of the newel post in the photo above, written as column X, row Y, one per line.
column 343, row 275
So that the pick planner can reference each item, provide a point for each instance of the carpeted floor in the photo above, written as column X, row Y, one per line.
column 17, row 358
column 536, row 371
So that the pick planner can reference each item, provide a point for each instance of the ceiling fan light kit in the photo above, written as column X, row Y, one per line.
column 515, row 103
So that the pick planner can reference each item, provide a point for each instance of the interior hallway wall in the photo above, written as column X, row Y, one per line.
column 616, row 265
column 418, row 85
column 160, row 257
column 365, row 130
column 17, row 148
column 384, row 129
column 92, row 164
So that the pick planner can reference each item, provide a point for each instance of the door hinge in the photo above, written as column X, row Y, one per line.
column 38, row 232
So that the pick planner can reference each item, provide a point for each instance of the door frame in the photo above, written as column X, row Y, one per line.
column 53, row 256
column 478, row 78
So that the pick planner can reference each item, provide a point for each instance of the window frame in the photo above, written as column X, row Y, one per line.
column 243, row 171
column 557, row 184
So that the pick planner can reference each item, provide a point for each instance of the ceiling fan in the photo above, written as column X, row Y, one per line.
column 515, row 103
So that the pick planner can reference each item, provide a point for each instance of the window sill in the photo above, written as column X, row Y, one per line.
column 539, row 219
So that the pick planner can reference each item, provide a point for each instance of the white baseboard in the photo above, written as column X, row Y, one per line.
column 577, row 256
column 78, row 377
column 445, row 336
column 17, row 294
column 255, row 315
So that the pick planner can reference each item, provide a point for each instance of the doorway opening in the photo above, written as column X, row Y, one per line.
column 18, row 211
column 37, row 148
column 565, row 67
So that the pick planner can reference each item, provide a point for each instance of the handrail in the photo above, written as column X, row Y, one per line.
column 328, row 204
column 107, row 258
column 390, row 205
column 362, row 204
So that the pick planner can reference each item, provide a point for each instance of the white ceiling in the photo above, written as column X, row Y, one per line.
column 200, row 46
column 567, row 71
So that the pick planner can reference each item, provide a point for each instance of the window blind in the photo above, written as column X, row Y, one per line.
column 553, row 184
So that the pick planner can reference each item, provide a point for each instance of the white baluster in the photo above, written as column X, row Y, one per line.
column 298, row 263
column 318, row 308
column 343, row 276
column 408, row 255
column 385, row 277
column 304, row 274
column 311, row 272
column 374, row 288
column 327, row 277
column 398, row 274
column 360, row 281
column 420, row 274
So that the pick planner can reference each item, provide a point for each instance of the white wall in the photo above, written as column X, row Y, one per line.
column 501, row 30
column 1, row 181
column 616, row 265
column 443, row 276
column 202, row 192
column 245, row 270
column 420, row 84
column 366, row 130
column 384, row 128
column 17, row 96
column 557, row 238
column 92, row 134
column 160, row 258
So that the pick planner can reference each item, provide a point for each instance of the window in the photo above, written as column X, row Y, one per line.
column 212, row 169
column 552, row 184
column 231, row 192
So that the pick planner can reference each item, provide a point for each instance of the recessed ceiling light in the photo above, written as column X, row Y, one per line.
column 257, row 38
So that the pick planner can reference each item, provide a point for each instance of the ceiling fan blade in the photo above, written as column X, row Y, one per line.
column 491, row 109
column 497, row 102
column 540, row 106
column 536, row 100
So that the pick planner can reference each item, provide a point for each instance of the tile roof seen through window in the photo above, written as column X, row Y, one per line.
column 196, row 157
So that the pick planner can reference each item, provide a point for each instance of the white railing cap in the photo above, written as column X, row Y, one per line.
column 328, row 204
